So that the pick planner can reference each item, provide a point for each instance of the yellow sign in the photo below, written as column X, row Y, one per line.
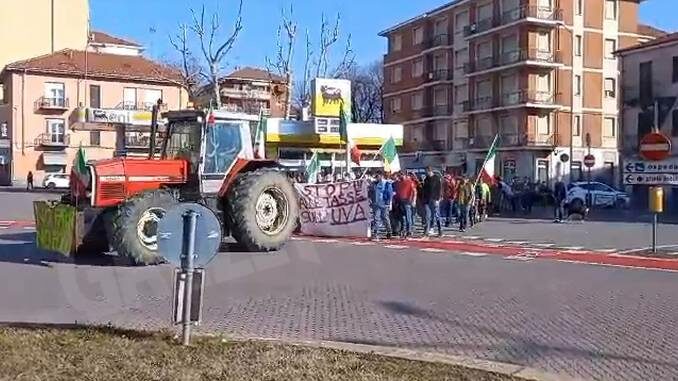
column 656, row 199
column 55, row 226
column 328, row 95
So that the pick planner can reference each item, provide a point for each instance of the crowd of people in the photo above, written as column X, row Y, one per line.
column 437, row 200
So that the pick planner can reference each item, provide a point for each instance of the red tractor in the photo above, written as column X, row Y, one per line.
column 204, row 158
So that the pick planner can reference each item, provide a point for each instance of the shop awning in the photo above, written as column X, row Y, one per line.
column 54, row 158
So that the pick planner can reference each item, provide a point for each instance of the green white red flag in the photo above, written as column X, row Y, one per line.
column 79, row 174
column 260, row 136
column 487, row 174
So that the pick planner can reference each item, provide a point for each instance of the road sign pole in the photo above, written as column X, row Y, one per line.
column 190, row 222
column 654, row 233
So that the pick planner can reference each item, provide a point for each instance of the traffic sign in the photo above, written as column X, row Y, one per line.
column 171, row 234
column 589, row 161
column 644, row 166
column 650, row 179
column 655, row 146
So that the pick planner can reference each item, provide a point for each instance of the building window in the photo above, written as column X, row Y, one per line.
column 396, row 105
column 674, row 124
column 440, row 27
column 4, row 131
column 417, row 101
column 439, row 62
column 461, row 58
column 543, row 171
column 578, row 7
column 576, row 127
column 577, row 45
column 610, row 88
column 543, row 124
column 417, row 35
column 129, row 98
column 2, row 93
column 576, row 173
column 56, row 130
column 577, row 84
column 460, row 21
column 94, row 96
column 95, row 138
column 611, row 9
column 151, row 97
column 610, row 48
column 645, row 81
column 55, row 94
column 460, row 93
column 396, row 42
column 396, row 74
column 674, row 75
column 418, row 68
column 440, row 96
column 609, row 129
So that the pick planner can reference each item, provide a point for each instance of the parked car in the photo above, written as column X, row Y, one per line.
column 602, row 195
column 56, row 180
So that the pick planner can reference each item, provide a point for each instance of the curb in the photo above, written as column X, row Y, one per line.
column 505, row 369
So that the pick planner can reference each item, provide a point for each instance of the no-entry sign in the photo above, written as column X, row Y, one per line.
column 655, row 146
column 589, row 161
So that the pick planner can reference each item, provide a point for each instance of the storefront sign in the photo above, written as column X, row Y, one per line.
column 116, row 116
column 328, row 95
column 651, row 179
column 645, row 166
column 334, row 209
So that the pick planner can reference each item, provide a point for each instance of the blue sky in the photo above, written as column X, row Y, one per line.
column 151, row 21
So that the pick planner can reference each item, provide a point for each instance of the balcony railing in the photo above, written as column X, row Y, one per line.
column 48, row 103
column 52, row 140
column 141, row 142
column 438, row 40
column 139, row 106
column 511, row 99
column 517, row 14
column 245, row 94
column 515, row 140
column 246, row 109
column 426, row 145
column 531, row 11
column 510, row 58
column 429, row 111
column 441, row 75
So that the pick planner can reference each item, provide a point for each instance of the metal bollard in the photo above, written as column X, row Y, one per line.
column 190, row 222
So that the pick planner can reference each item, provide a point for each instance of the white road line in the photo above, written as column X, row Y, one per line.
column 606, row 250
column 470, row 237
column 516, row 242
column 433, row 250
column 4, row 227
column 326, row 240
column 359, row 243
column 449, row 235
column 571, row 248
column 519, row 258
column 7, row 222
column 29, row 227
column 398, row 247
column 543, row 244
column 470, row 254
column 494, row 239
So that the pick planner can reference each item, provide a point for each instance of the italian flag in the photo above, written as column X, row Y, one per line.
column 313, row 169
column 390, row 156
column 260, row 137
column 79, row 174
column 487, row 171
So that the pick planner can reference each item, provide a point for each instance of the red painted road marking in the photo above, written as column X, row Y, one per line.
column 589, row 257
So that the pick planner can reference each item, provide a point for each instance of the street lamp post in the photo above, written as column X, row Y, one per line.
column 588, row 191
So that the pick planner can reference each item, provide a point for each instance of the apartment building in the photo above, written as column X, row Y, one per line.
column 29, row 28
column 541, row 74
column 55, row 103
column 649, row 76
column 250, row 90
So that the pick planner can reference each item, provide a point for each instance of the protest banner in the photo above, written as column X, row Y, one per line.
column 335, row 209
column 55, row 226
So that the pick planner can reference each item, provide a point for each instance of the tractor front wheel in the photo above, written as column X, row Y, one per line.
column 263, row 208
column 135, row 226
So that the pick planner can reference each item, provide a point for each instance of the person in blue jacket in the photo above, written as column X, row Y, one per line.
column 381, row 198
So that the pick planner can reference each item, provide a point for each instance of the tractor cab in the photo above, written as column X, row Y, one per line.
column 215, row 144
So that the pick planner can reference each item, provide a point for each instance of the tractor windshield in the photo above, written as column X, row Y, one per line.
column 222, row 146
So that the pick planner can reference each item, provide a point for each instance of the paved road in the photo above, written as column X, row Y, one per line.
column 587, row 321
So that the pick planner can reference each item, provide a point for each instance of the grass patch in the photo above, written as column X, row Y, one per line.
column 111, row 354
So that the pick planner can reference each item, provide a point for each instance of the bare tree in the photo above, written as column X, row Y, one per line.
column 188, row 65
column 366, row 92
column 282, row 64
column 214, row 52
column 302, row 88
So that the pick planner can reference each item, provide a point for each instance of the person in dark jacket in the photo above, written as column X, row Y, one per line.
column 559, row 196
column 382, row 197
column 433, row 194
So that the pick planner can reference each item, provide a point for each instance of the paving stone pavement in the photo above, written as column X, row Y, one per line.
column 586, row 321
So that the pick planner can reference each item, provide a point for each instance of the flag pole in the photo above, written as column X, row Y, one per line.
column 494, row 141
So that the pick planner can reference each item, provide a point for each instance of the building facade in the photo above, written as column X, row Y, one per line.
column 55, row 103
column 541, row 74
column 30, row 28
column 649, row 74
column 250, row 90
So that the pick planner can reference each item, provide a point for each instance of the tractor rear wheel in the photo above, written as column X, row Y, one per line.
column 263, row 208
column 135, row 226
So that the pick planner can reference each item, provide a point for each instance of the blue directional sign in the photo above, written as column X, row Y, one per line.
column 172, row 239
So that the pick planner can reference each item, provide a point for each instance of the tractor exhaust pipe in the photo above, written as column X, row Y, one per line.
column 154, row 129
